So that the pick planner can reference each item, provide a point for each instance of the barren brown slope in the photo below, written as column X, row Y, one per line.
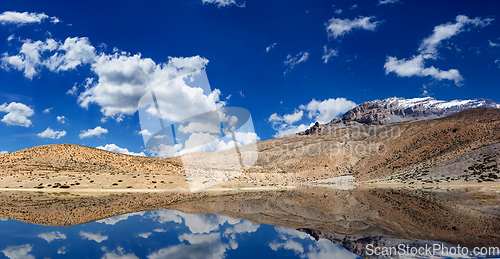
column 67, row 157
column 80, row 167
column 426, row 143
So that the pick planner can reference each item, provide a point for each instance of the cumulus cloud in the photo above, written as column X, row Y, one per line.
column 493, row 44
column 224, row 3
column 117, row 149
column 51, row 236
column 329, row 53
column 3, row 152
column 325, row 111
column 119, row 253
column 17, row 114
column 289, row 245
column 93, row 236
column 292, row 61
column 194, row 239
column 97, row 131
column 320, row 111
column 270, row 47
column 123, row 79
column 145, row 132
column 415, row 67
column 145, row 234
column 338, row 27
column 61, row 119
column 53, row 55
column 428, row 49
column 208, row 250
column 9, row 17
column 291, row 129
column 197, row 224
column 53, row 134
column 18, row 252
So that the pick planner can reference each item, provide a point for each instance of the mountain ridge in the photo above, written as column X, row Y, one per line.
column 394, row 109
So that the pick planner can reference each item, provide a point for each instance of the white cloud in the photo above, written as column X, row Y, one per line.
column 338, row 27
column 381, row 2
column 53, row 55
column 497, row 61
column 329, row 53
column 73, row 91
column 493, row 44
column 270, row 47
column 145, row 132
column 48, row 110
column 208, row 250
column 3, row 152
column 22, row 18
column 51, row 236
column 224, row 3
column 61, row 250
column 117, row 149
column 97, row 131
column 94, row 237
column 61, row 119
column 428, row 50
column 291, row 61
column 50, row 133
column 326, row 249
column 194, row 126
column 244, row 227
column 159, row 230
column 18, row 252
column 116, row 219
column 145, row 234
column 17, row 114
column 320, row 111
column 244, row 138
column 119, row 253
column 288, row 245
column 415, row 67
column 429, row 45
column 197, row 224
column 123, row 79
column 289, row 130
column 354, row 6
column 338, row 11
column 288, row 118
column 325, row 111
column 194, row 239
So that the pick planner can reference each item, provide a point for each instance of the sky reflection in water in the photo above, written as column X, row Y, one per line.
column 162, row 234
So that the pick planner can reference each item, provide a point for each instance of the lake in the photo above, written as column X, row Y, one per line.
column 351, row 224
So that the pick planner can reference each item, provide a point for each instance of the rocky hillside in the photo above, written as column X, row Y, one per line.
column 378, row 151
column 400, row 109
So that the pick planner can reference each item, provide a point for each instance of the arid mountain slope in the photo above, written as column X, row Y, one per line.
column 423, row 144
column 367, row 152
column 67, row 157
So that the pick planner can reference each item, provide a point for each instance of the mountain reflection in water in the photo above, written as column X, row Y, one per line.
column 305, row 222
column 163, row 234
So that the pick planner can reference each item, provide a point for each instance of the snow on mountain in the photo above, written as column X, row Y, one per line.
column 395, row 109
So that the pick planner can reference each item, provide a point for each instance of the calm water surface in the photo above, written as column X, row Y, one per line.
column 162, row 234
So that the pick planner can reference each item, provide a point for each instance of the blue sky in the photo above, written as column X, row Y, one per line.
column 73, row 72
